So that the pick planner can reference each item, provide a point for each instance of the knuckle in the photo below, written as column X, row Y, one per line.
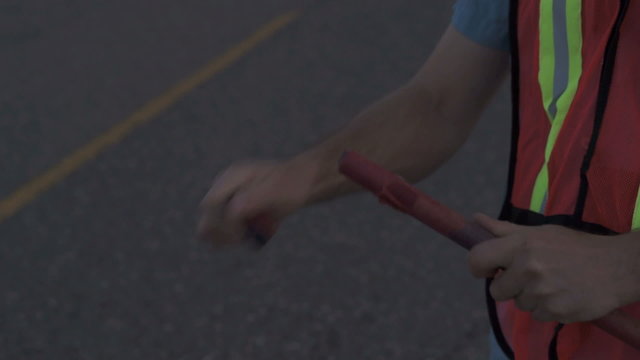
column 523, row 246
column 531, row 262
column 527, row 245
column 546, row 227
column 522, row 304
column 471, row 259
column 478, row 252
column 221, row 239
column 533, row 266
column 526, row 302
column 206, row 203
column 206, row 233
column 203, row 226
column 558, row 308
column 552, row 228
column 542, row 316
column 231, row 174
column 472, row 256
column 474, row 261
column 543, row 289
column 223, row 176
column 496, row 292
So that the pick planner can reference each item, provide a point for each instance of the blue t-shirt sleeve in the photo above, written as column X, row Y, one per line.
column 486, row 22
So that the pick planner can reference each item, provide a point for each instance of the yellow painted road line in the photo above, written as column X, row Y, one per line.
column 32, row 189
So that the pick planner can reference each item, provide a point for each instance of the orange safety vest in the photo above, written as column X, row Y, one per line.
column 575, row 158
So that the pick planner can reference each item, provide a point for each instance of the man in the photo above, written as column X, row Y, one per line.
column 565, row 241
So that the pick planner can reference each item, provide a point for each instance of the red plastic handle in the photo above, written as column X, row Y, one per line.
column 396, row 192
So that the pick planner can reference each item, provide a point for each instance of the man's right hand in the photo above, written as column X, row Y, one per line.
column 412, row 131
column 249, row 189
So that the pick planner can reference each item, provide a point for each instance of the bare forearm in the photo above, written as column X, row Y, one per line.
column 406, row 132
column 416, row 128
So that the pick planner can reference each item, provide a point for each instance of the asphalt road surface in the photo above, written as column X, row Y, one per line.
column 104, row 265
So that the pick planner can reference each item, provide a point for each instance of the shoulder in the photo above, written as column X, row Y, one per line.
column 485, row 22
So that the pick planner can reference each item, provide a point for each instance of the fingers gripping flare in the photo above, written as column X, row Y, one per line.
column 485, row 258
column 413, row 202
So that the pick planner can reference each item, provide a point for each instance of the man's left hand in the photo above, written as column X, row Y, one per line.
column 557, row 273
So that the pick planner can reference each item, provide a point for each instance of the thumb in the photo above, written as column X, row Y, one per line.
column 496, row 227
column 251, row 209
column 244, row 205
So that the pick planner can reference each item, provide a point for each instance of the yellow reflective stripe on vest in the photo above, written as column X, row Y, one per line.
column 559, row 74
column 635, row 223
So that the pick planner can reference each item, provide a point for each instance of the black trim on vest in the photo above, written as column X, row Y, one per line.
column 553, row 348
column 495, row 322
column 515, row 98
column 528, row 217
column 601, row 104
